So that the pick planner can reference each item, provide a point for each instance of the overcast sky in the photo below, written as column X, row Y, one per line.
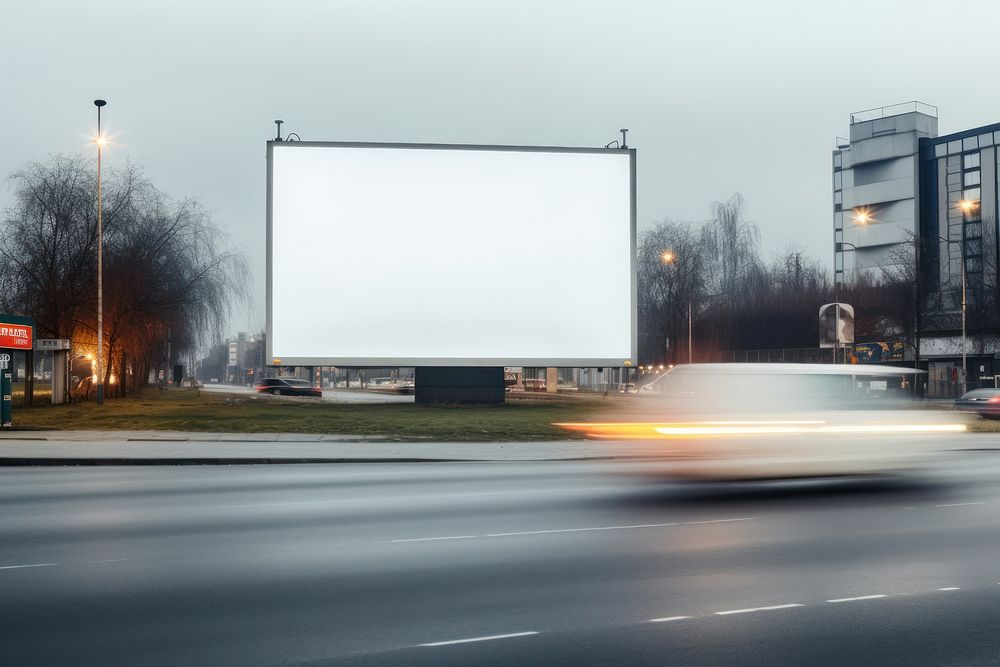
column 721, row 96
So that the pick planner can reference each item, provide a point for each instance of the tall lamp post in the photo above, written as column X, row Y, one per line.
column 836, row 297
column 967, row 207
column 668, row 257
column 101, row 142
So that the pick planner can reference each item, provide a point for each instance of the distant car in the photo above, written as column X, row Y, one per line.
column 986, row 402
column 288, row 387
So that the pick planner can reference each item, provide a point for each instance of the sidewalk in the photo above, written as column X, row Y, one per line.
column 181, row 448
column 31, row 448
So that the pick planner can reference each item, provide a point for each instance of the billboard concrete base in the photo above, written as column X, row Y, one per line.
column 451, row 384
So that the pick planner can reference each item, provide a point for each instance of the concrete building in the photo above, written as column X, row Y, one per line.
column 876, row 188
column 898, row 186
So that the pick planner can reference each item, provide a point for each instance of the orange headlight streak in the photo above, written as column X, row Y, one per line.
column 662, row 431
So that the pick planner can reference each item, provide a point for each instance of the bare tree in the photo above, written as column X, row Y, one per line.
column 666, row 286
column 169, row 281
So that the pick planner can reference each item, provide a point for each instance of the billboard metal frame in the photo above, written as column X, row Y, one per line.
column 454, row 361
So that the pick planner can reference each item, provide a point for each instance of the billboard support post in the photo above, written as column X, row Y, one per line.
column 457, row 384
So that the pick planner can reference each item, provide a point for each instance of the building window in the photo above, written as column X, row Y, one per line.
column 837, row 180
column 970, row 178
column 970, row 161
column 971, row 194
column 970, row 144
column 838, row 198
column 837, row 160
column 940, row 150
column 954, row 147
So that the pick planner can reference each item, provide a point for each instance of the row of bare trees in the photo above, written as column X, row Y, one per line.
column 170, row 279
column 740, row 302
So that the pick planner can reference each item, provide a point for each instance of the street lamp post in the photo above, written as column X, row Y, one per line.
column 965, row 368
column 100, row 141
column 836, row 298
column 668, row 257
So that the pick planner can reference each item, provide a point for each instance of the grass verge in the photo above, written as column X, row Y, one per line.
column 190, row 410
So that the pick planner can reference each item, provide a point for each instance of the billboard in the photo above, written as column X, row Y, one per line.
column 444, row 255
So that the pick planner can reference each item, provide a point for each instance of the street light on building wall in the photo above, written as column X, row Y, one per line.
column 863, row 216
column 101, row 142
column 668, row 257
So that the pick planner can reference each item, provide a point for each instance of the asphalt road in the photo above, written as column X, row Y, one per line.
column 502, row 563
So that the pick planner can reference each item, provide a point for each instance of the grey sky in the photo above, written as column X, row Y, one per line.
column 720, row 96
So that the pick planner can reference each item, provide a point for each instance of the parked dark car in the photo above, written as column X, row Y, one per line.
column 287, row 387
column 986, row 402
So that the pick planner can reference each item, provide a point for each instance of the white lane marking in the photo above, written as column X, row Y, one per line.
column 109, row 560
column 747, row 611
column 481, row 639
column 981, row 502
column 18, row 567
column 431, row 496
column 581, row 530
column 950, row 588
column 666, row 619
column 588, row 529
column 860, row 597
column 432, row 539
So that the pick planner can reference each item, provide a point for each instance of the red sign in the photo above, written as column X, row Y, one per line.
column 16, row 336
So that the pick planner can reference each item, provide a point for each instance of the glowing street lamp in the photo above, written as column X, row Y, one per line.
column 101, row 142
column 668, row 257
column 863, row 216
column 968, row 206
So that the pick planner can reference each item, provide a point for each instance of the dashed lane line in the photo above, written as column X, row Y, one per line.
column 434, row 539
column 586, row 529
column 753, row 609
column 582, row 530
column 18, row 567
column 979, row 502
column 481, row 639
column 669, row 619
column 858, row 598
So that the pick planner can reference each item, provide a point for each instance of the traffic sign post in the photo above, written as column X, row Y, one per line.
column 6, row 386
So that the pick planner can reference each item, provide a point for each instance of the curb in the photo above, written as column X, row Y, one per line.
column 54, row 461
column 27, row 461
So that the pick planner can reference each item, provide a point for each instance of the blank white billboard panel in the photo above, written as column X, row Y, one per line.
column 440, row 255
